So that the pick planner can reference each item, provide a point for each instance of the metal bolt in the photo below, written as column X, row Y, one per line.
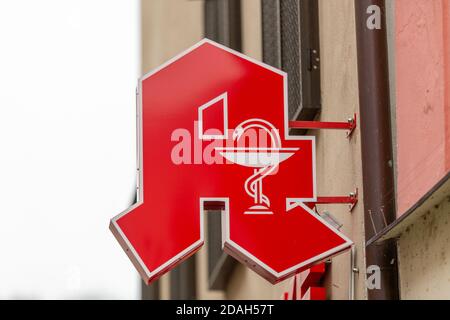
column 390, row 163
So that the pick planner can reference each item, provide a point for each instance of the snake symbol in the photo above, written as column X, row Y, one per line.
column 264, row 160
column 253, row 185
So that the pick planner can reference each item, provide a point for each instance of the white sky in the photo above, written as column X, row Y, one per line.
column 68, row 72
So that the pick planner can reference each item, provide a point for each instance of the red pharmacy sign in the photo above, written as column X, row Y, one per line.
column 213, row 133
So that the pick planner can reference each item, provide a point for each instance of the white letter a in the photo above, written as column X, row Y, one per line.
column 374, row 21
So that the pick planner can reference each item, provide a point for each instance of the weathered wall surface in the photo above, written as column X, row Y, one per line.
column 423, row 91
column 421, row 66
column 424, row 256
column 339, row 159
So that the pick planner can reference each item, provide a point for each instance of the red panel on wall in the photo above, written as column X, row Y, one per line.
column 422, row 94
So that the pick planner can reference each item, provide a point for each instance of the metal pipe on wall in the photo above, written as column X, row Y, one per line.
column 353, row 270
column 376, row 143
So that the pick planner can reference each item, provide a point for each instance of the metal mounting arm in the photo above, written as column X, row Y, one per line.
column 351, row 200
column 350, row 125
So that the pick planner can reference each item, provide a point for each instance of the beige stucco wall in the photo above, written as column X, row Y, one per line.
column 424, row 256
column 338, row 159
column 169, row 27
column 251, row 28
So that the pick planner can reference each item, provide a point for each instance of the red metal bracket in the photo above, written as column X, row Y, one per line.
column 351, row 200
column 350, row 125
column 307, row 285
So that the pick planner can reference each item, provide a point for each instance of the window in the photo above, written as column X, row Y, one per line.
column 291, row 43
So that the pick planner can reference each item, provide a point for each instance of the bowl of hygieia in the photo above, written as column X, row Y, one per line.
column 263, row 159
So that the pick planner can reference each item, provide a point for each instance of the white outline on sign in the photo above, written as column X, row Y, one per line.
column 228, row 244
column 224, row 97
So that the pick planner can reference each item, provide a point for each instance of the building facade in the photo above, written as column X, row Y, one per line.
column 322, row 46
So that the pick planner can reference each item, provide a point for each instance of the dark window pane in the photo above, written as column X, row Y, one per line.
column 291, row 42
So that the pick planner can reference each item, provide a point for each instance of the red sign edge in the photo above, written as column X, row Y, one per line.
column 228, row 245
